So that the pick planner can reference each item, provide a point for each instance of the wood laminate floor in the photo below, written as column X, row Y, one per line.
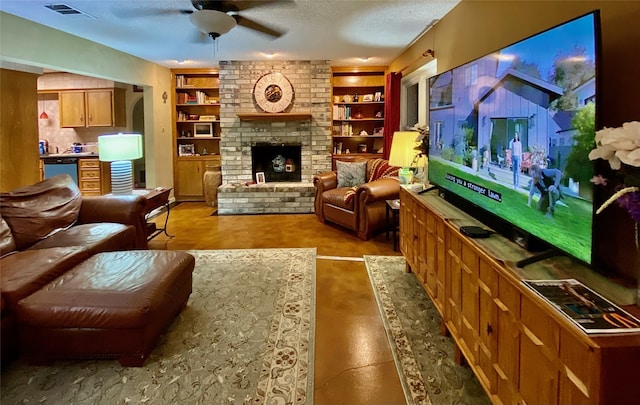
column 353, row 362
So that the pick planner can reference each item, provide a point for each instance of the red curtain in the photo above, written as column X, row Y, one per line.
column 391, row 110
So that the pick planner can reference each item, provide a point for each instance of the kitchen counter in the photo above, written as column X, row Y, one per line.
column 70, row 155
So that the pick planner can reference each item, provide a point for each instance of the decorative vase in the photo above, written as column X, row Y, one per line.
column 289, row 166
column 211, row 180
column 278, row 164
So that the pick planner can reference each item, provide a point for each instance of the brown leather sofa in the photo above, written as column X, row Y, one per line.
column 48, row 228
column 365, row 210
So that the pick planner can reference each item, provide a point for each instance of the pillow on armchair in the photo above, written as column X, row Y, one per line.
column 379, row 168
column 351, row 174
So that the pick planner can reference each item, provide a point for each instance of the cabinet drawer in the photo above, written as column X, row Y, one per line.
column 89, row 174
column 580, row 365
column 538, row 321
column 89, row 163
column 89, row 185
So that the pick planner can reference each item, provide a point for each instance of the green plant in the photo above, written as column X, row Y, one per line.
column 447, row 153
column 579, row 167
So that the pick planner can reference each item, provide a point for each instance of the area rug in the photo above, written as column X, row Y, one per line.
column 424, row 358
column 246, row 337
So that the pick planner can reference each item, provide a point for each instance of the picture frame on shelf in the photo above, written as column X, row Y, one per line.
column 260, row 179
column 377, row 96
column 367, row 98
column 202, row 130
column 188, row 149
column 378, row 131
column 362, row 148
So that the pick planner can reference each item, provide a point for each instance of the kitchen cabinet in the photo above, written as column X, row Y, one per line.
column 521, row 349
column 92, row 108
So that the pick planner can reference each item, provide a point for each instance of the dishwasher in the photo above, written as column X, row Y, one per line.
column 61, row 165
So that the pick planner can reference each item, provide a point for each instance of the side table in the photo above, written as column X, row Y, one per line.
column 156, row 198
column 393, row 220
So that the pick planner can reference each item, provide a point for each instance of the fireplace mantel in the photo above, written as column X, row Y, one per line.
column 274, row 116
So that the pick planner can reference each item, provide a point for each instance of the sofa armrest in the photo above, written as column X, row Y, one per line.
column 321, row 183
column 325, row 181
column 125, row 209
column 378, row 190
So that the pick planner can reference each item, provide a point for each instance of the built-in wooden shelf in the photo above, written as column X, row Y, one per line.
column 274, row 116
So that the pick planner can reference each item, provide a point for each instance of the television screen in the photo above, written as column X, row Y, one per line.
column 510, row 132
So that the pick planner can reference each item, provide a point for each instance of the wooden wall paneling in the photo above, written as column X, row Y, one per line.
column 18, row 129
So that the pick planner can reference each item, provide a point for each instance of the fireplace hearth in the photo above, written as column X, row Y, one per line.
column 279, row 162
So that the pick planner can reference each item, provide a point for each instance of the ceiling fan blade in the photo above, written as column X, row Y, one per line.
column 246, row 5
column 149, row 12
column 256, row 26
column 234, row 5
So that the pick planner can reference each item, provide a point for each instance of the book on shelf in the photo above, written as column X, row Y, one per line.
column 591, row 312
column 346, row 129
column 341, row 112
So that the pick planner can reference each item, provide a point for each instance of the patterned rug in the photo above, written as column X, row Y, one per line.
column 423, row 357
column 246, row 337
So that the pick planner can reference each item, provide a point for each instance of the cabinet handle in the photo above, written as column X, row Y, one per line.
column 82, row 118
column 489, row 329
column 90, row 119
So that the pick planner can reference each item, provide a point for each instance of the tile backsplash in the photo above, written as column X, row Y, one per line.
column 61, row 139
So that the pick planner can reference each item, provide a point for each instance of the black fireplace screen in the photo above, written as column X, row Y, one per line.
column 279, row 162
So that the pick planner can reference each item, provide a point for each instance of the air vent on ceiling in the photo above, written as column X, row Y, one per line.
column 66, row 10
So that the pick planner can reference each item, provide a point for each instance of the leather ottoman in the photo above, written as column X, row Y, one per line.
column 113, row 305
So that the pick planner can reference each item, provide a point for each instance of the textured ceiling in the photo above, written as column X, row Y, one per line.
column 339, row 31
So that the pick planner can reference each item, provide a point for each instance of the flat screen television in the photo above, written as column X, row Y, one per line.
column 542, row 90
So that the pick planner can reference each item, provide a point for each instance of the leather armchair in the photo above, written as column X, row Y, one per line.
column 365, row 213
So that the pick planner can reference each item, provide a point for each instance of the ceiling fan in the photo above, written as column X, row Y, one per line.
column 217, row 17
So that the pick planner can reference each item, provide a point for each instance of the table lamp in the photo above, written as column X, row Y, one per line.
column 403, row 154
column 120, row 149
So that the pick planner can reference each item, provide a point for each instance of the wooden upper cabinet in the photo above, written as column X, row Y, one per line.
column 93, row 108
column 72, row 109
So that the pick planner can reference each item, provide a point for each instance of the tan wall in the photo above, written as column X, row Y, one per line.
column 475, row 28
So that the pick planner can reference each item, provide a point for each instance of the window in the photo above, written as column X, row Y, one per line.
column 414, row 107
column 471, row 75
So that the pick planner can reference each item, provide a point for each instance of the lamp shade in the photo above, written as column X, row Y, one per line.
column 120, row 147
column 212, row 22
column 402, row 149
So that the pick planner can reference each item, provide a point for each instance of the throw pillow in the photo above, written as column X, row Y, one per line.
column 42, row 209
column 351, row 173
column 380, row 168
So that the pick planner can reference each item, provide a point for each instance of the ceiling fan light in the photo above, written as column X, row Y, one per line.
column 212, row 22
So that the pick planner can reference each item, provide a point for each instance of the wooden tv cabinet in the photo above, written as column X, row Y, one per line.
column 521, row 349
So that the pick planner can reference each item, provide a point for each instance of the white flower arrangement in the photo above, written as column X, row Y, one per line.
column 618, row 145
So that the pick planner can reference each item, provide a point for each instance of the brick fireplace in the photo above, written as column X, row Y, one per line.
column 280, row 194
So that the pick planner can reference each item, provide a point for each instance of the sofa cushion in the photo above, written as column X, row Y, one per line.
column 351, row 173
column 7, row 243
column 96, row 238
column 336, row 196
column 23, row 273
column 42, row 209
